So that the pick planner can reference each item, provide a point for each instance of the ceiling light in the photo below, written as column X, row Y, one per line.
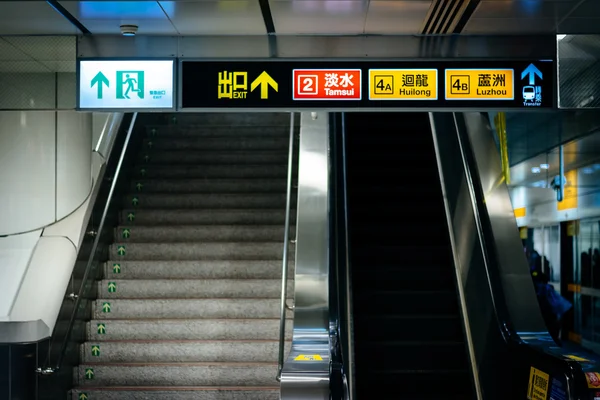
column 561, row 36
column 129, row 30
column 544, row 166
column 536, row 170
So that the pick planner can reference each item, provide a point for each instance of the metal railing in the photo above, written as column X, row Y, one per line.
column 76, row 297
column 286, row 244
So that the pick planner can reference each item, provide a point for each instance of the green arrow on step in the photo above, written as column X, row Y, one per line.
column 153, row 131
column 121, row 250
column 99, row 80
column 139, row 186
column 126, row 233
column 146, row 158
column 95, row 350
column 112, row 287
column 150, row 144
column 101, row 329
column 106, row 307
column 89, row 373
column 143, row 171
column 135, row 201
column 116, row 268
column 174, row 119
column 131, row 216
column 83, row 396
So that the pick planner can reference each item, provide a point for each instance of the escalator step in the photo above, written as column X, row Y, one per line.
column 390, row 278
column 403, row 356
column 405, row 302
column 409, row 328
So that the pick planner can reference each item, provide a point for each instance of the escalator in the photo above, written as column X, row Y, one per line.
column 409, row 340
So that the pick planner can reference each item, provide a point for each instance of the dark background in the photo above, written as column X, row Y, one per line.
column 200, row 84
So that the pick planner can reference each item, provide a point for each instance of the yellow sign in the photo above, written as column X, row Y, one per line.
column 520, row 212
column 234, row 85
column 403, row 84
column 538, row 385
column 480, row 84
column 593, row 380
column 570, row 194
column 309, row 357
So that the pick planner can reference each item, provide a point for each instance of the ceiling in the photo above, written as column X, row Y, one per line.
column 248, row 17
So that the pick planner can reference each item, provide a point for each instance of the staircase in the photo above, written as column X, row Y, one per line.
column 189, row 304
column 408, row 329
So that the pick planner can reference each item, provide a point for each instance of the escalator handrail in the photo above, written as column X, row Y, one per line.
column 340, row 269
column 90, row 261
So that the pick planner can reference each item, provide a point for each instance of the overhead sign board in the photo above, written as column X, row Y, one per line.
column 126, row 84
column 326, row 84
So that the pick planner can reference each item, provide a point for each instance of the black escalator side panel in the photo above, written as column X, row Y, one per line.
column 408, row 336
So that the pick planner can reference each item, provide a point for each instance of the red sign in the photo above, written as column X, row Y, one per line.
column 327, row 84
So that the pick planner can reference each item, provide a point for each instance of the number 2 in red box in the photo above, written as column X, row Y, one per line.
column 327, row 84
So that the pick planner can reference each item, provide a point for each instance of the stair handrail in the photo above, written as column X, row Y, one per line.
column 286, row 241
column 97, row 236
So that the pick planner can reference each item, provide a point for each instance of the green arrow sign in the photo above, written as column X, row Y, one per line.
column 83, row 396
column 116, row 268
column 126, row 233
column 121, row 250
column 101, row 329
column 106, row 307
column 139, row 186
column 153, row 131
column 174, row 119
column 112, row 287
column 135, row 201
column 150, row 144
column 146, row 158
column 143, row 171
column 131, row 216
column 95, row 350
column 99, row 80
column 89, row 373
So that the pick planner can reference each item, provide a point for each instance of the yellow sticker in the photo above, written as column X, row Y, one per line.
column 577, row 358
column 480, row 84
column 403, row 84
column 593, row 380
column 538, row 385
column 309, row 357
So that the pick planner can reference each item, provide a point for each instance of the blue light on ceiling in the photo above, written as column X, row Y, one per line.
column 124, row 9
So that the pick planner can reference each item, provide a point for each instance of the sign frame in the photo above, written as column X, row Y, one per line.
column 175, row 85
column 322, row 63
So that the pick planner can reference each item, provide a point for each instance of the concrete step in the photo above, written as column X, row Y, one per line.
column 133, row 217
column 200, row 233
column 186, row 308
column 186, row 329
column 178, row 374
column 157, row 157
column 206, row 200
column 198, row 251
column 211, row 269
column 219, row 131
column 150, row 171
column 185, row 351
column 177, row 393
column 237, row 143
column 208, row 186
column 192, row 288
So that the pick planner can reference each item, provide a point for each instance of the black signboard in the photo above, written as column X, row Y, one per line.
column 374, row 84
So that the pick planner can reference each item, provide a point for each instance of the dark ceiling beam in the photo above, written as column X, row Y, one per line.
column 265, row 10
column 63, row 11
